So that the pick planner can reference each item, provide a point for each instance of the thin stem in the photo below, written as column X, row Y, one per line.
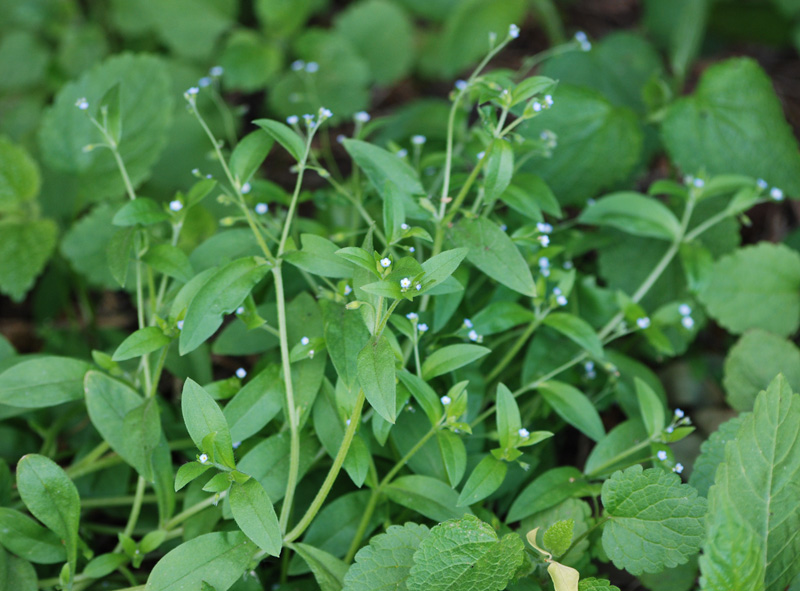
column 333, row 472
column 141, row 483
column 193, row 510
column 600, row 470
column 512, row 352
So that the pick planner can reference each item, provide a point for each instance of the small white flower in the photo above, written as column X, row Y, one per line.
column 298, row 65
column 418, row 140
column 590, row 202
column 348, row 290
column 669, row 429
column 568, row 265
column 422, row 327
column 699, row 183
column 561, row 300
column 480, row 155
column 240, row 310
column 196, row 171
column 524, row 433
column 236, row 444
column 347, row 422
column 418, row 286
column 204, row 81
column 304, row 341
column 405, row 283
column 643, row 322
column 311, row 353
column 203, row 458
column 687, row 322
column 580, row 37
column 309, row 120
column 412, row 249
column 404, row 226
column 662, row 455
column 548, row 100
column 461, row 85
column 180, row 324
column 492, row 37
column 513, row 31
column 386, row 262
column 776, row 194
column 324, row 114
column 175, row 205
column 556, row 290
column 292, row 119
column 467, row 322
column 545, row 272
column 262, row 208
column 544, row 228
column 241, row 373
column 684, row 309
column 82, row 104
column 412, row 316
column 678, row 468
column 544, row 240
column 762, row 184
column 402, row 153
column 216, row 71
column 445, row 400
column 361, row 117
column 503, row 227
column 679, row 413
column 473, row 335
column 340, row 138
column 536, row 106
column 544, row 263
column 312, row 67
column 193, row 91
column 246, row 188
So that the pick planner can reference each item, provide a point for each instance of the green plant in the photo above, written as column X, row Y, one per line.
column 417, row 355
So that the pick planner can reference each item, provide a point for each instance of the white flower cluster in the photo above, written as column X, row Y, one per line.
column 686, row 319
column 583, row 41
column 775, row 193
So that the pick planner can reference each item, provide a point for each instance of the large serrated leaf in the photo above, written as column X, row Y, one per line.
column 655, row 521
column 25, row 248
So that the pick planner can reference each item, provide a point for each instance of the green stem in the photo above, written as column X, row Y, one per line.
column 193, row 510
column 512, row 352
column 121, row 501
column 600, row 470
column 322, row 494
column 136, row 508
column 77, row 471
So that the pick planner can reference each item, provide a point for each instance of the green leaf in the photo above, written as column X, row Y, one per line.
column 146, row 104
column 141, row 211
column 558, row 537
column 284, row 135
column 529, row 195
column 376, row 376
column 118, row 254
column 655, row 521
column 427, row 496
column 190, row 28
column 204, row 419
column 268, row 462
column 27, row 539
column 493, row 252
column 732, row 557
column 547, row 490
column 251, row 61
column 52, row 498
column 255, row 515
column 633, row 213
column 383, row 168
column 141, row 342
column 249, row 154
column 328, row 570
column 465, row 554
column 499, row 170
column 189, row 472
column 574, row 407
column 221, row 294
column 593, row 584
column 256, row 404
column 753, row 362
column 318, row 257
column 599, row 144
column 382, row 34
column 440, row 267
column 217, row 558
column 734, row 122
column 171, row 261
column 19, row 176
column 103, row 565
column 756, row 486
column 577, row 330
column 485, row 479
column 20, row 575
column 450, row 358
column 423, row 394
column 651, row 407
column 394, row 214
column 508, row 419
column 141, row 433
column 42, row 382
column 386, row 562
column 747, row 287
column 606, row 455
column 454, row 455
column 25, row 248
column 86, row 245
column 345, row 336
column 712, row 454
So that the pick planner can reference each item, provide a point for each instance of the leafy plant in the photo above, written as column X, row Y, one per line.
column 421, row 356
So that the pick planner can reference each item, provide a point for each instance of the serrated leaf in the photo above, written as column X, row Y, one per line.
column 218, row 559
column 19, row 176
column 577, row 330
column 732, row 559
column 746, row 288
column 25, row 248
column 427, row 496
column 485, row 479
column 558, row 537
column 465, row 555
column 450, row 358
column 146, row 104
column 712, row 454
column 574, row 407
column 221, row 294
column 756, row 485
column 493, row 252
column 655, row 521
column 26, row 538
column 633, row 213
column 593, row 584
column 328, row 570
column 756, row 358
column 385, row 563
column 724, row 125
column 42, row 382
column 141, row 342
column 255, row 515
